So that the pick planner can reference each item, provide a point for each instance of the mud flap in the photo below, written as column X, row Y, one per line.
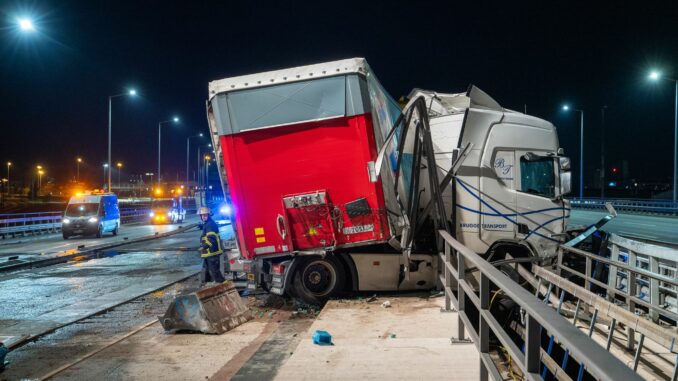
column 215, row 309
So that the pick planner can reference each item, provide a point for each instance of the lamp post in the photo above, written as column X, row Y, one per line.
column 188, row 147
column 655, row 76
column 132, row 93
column 40, row 173
column 77, row 166
column 175, row 120
column 105, row 168
column 602, row 152
column 119, row 165
column 207, row 172
column 581, row 149
column 9, row 164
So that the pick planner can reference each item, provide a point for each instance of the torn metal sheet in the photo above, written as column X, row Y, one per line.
column 210, row 310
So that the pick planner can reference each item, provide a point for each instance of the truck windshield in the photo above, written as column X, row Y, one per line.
column 537, row 177
column 164, row 204
column 82, row 210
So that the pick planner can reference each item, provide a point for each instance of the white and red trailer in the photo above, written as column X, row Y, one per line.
column 298, row 149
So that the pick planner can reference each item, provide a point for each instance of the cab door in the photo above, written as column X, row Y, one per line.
column 540, row 211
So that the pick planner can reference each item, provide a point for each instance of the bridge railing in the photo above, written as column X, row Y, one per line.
column 641, row 277
column 641, row 206
column 472, row 291
column 50, row 222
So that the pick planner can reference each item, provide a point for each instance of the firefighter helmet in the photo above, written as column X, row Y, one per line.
column 204, row 210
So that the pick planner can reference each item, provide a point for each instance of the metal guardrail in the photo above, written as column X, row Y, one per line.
column 50, row 222
column 540, row 320
column 642, row 206
column 641, row 279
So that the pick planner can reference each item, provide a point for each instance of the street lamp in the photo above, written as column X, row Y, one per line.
column 655, row 76
column 119, row 165
column 9, row 164
column 105, row 168
column 175, row 120
column 26, row 24
column 207, row 170
column 40, row 173
column 77, row 166
column 131, row 93
column 581, row 149
column 187, row 152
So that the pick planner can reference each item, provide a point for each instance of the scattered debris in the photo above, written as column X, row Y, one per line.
column 372, row 298
column 393, row 336
column 322, row 338
column 386, row 304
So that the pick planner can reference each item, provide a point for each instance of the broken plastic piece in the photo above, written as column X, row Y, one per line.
column 322, row 338
column 386, row 304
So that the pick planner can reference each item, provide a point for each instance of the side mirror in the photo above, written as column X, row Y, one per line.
column 564, row 163
column 565, row 182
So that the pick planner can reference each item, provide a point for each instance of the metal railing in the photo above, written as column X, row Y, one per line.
column 641, row 279
column 540, row 320
column 641, row 206
column 50, row 222
column 12, row 224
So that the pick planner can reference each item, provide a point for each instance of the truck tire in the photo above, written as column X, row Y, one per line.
column 316, row 279
column 115, row 231
column 100, row 231
column 66, row 236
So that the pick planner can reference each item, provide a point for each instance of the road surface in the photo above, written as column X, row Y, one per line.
column 656, row 228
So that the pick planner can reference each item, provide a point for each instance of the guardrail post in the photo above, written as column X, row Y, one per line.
column 588, row 272
column 612, row 272
column 461, row 296
column 448, row 276
column 484, row 328
column 654, row 289
column 631, row 291
column 532, row 345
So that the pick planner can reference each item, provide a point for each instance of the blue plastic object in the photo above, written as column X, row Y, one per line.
column 322, row 338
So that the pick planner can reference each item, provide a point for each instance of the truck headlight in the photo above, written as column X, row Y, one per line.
column 93, row 220
column 66, row 221
column 151, row 214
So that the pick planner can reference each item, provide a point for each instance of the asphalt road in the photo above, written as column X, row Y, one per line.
column 656, row 228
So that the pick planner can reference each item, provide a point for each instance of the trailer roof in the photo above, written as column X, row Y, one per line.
column 295, row 74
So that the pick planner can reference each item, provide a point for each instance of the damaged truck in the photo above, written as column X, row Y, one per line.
column 336, row 188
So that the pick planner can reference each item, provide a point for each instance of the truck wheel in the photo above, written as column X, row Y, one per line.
column 66, row 236
column 100, row 231
column 317, row 279
column 115, row 231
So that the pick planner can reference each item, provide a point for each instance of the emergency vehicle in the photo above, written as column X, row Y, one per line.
column 91, row 213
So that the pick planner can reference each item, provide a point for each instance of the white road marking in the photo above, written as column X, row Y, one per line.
column 640, row 224
column 640, row 235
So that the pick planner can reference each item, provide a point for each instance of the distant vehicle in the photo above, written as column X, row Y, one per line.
column 167, row 211
column 91, row 214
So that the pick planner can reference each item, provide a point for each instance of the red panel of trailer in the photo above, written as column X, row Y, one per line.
column 305, row 186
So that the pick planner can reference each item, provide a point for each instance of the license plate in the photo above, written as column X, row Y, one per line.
column 251, row 277
column 358, row 229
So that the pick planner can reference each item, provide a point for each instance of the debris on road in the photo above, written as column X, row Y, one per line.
column 386, row 304
column 215, row 309
column 372, row 298
column 322, row 338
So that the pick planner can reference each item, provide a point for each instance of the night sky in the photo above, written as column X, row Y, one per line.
column 55, row 83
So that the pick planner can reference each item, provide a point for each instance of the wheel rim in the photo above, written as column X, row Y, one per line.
column 319, row 278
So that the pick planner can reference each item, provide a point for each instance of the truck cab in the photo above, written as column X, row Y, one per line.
column 91, row 214
column 166, row 211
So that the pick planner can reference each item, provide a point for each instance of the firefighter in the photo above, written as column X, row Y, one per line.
column 211, row 248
